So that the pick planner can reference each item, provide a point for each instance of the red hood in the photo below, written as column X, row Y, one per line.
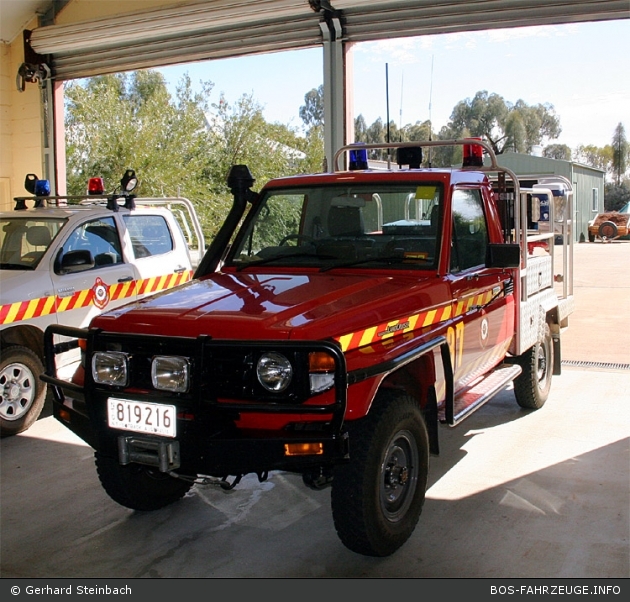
column 270, row 306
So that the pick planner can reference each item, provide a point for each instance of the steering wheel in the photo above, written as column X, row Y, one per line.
column 296, row 237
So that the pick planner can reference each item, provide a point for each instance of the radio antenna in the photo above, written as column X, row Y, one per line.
column 402, row 82
column 430, row 98
column 389, row 157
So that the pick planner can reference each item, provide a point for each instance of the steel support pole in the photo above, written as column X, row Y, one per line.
column 334, row 89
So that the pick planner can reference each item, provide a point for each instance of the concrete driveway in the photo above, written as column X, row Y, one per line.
column 513, row 493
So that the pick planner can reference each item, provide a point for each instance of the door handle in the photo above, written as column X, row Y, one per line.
column 126, row 279
column 179, row 270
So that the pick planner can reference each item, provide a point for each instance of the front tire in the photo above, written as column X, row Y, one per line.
column 138, row 487
column 378, row 496
column 532, row 386
column 23, row 394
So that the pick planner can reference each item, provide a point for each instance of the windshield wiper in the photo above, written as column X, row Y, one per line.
column 394, row 258
column 273, row 258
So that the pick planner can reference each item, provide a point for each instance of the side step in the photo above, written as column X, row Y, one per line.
column 472, row 398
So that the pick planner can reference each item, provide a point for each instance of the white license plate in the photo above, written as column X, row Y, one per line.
column 141, row 417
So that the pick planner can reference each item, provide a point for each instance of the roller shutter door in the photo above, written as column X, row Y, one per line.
column 229, row 28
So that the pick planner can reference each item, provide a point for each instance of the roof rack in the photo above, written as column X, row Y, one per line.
column 422, row 143
column 111, row 201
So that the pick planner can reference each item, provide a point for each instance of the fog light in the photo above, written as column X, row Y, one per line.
column 170, row 373
column 110, row 368
column 274, row 372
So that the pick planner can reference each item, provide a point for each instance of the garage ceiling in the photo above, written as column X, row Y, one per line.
column 228, row 28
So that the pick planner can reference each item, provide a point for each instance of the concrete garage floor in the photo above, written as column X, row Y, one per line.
column 513, row 493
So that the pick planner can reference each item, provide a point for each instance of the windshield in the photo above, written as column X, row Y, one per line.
column 328, row 227
column 24, row 241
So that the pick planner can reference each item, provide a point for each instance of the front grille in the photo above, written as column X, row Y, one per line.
column 218, row 369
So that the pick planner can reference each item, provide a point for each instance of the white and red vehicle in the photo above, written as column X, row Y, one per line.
column 330, row 334
column 64, row 260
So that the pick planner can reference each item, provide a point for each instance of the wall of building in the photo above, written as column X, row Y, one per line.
column 21, row 138
column 20, row 126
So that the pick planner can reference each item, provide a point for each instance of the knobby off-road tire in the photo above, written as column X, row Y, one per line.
column 378, row 496
column 138, row 487
column 532, row 386
column 23, row 394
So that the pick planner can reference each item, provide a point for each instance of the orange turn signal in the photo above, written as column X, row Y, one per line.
column 303, row 449
column 320, row 361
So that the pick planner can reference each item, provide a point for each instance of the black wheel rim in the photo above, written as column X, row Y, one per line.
column 542, row 363
column 398, row 476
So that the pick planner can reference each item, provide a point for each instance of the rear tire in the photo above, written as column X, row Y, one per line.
column 532, row 386
column 378, row 496
column 23, row 393
column 138, row 487
column 608, row 230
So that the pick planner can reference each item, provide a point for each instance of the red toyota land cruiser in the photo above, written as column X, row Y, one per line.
column 328, row 335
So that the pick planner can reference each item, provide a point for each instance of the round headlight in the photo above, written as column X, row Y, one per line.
column 274, row 372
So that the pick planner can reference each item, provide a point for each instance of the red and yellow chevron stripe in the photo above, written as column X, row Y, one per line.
column 388, row 330
column 35, row 308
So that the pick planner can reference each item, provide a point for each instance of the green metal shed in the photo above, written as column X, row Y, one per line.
column 588, row 183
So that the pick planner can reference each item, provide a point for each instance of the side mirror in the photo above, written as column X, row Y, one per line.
column 503, row 256
column 76, row 261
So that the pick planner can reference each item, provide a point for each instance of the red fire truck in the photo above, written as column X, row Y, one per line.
column 336, row 320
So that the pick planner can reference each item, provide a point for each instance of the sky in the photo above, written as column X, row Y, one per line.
column 582, row 69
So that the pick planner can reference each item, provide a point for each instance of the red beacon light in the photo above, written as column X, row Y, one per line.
column 473, row 154
column 96, row 186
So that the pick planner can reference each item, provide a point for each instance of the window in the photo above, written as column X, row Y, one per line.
column 364, row 226
column 595, row 200
column 100, row 238
column 470, row 234
column 24, row 241
column 149, row 235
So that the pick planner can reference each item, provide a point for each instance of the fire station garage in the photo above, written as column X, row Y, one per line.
column 512, row 494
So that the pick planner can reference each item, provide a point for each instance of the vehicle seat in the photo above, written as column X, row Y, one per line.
column 345, row 221
column 435, row 216
column 37, row 236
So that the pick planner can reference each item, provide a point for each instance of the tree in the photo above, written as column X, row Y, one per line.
column 416, row 131
column 182, row 146
column 616, row 196
column 557, row 151
column 592, row 155
column 619, row 153
column 115, row 122
column 516, row 127
column 360, row 129
column 312, row 111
